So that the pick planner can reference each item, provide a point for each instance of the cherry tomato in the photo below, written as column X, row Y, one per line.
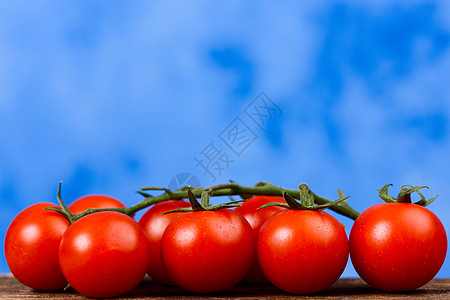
column 104, row 254
column 256, row 218
column 94, row 201
column 31, row 247
column 302, row 251
column 208, row 251
column 397, row 246
column 154, row 223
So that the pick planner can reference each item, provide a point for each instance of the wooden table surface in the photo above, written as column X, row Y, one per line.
column 10, row 288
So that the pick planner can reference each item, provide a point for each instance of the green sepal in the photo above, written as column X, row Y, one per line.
column 429, row 201
column 328, row 205
column 193, row 201
column 292, row 202
column 157, row 188
column 65, row 214
column 307, row 200
column 423, row 201
column 235, row 201
column 231, row 204
column 145, row 195
column 154, row 188
column 404, row 196
column 186, row 209
column 344, row 203
column 222, row 206
column 274, row 204
column 384, row 194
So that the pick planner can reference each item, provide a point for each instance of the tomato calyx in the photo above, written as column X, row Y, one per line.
column 64, row 210
column 404, row 196
column 204, row 205
column 306, row 197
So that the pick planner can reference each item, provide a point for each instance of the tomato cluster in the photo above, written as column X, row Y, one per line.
column 393, row 246
column 103, row 254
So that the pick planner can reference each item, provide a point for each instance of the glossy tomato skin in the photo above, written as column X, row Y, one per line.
column 397, row 246
column 256, row 218
column 302, row 251
column 154, row 223
column 208, row 251
column 104, row 254
column 31, row 247
column 94, row 201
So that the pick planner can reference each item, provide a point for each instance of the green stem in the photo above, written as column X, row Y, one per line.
column 64, row 209
column 232, row 189
column 227, row 189
column 306, row 196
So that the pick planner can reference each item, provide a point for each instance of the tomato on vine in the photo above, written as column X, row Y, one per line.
column 399, row 245
column 94, row 201
column 31, row 247
column 256, row 218
column 104, row 254
column 302, row 250
column 208, row 249
column 154, row 222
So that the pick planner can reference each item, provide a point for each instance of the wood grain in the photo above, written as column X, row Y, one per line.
column 10, row 288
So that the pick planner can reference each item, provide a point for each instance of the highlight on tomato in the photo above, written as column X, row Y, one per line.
column 94, row 201
column 256, row 217
column 208, row 248
column 398, row 245
column 154, row 223
column 104, row 254
column 302, row 250
column 31, row 247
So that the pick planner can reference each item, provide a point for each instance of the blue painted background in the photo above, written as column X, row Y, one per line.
column 110, row 96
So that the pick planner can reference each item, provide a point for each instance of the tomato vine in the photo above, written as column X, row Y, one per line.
column 262, row 188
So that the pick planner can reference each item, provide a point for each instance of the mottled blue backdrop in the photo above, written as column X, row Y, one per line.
column 109, row 96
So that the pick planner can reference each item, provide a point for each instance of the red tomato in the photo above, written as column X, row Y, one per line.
column 208, row 251
column 94, row 201
column 302, row 251
column 256, row 218
column 31, row 247
column 104, row 254
column 397, row 246
column 154, row 223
